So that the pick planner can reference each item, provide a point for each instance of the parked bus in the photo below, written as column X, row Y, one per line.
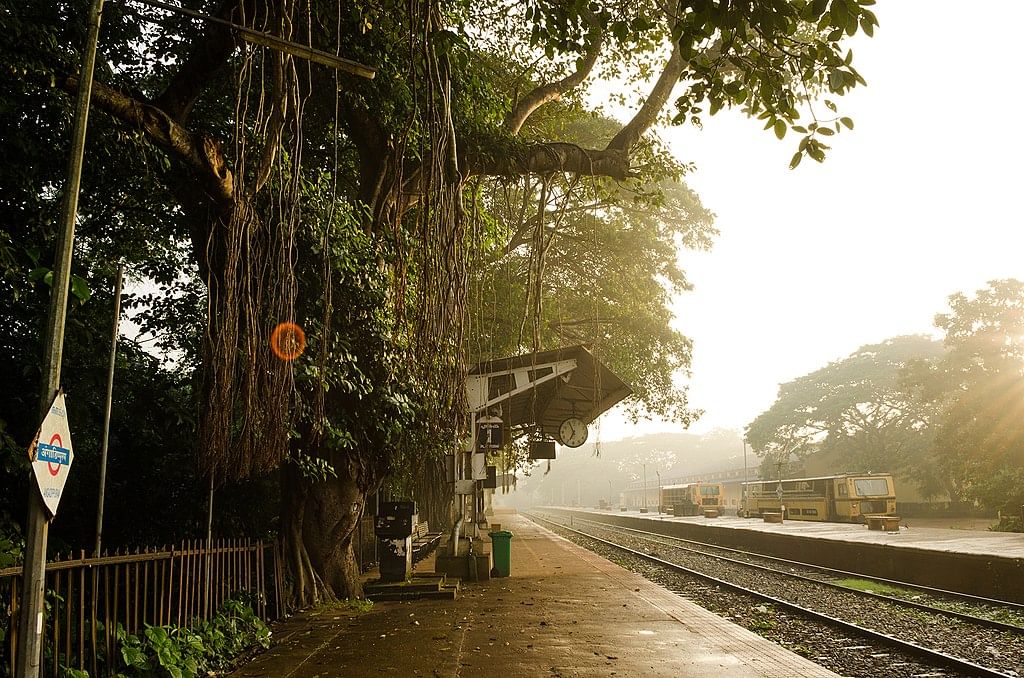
column 842, row 498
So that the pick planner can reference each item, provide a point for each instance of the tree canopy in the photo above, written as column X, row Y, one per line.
column 977, row 390
column 244, row 188
column 855, row 410
column 947, row 416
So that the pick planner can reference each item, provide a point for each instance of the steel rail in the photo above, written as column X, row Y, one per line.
column 936, row 656
column 846, row 573
column 963, row 616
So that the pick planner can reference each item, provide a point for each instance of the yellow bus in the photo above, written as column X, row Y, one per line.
column 691, row 499
column 842, row 498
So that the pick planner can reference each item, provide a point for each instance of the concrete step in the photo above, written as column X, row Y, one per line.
column 446, row 593
column 425, row 586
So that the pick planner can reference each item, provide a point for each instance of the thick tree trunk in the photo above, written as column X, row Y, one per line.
column 304, row 586
column 331, row 516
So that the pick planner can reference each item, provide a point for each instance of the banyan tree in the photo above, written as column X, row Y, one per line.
column 334, row 219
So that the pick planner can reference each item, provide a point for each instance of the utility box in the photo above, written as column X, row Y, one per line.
column 395, row 519
column 394, row 525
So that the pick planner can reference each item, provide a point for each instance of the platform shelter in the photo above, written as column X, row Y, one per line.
column 549, row 397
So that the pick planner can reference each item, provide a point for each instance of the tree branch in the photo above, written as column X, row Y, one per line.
column 548, row 158
column 656, row 100
column 209, row 54
column 203, row 153
column 553, row 91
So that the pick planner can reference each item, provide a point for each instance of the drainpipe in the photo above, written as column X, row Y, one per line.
column 453, row 542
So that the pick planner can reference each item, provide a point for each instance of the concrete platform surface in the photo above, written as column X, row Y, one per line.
column 564, row 612
column 978, row 542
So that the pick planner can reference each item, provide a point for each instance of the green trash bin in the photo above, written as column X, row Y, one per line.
column 501, row 548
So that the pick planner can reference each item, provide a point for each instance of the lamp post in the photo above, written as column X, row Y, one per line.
column 743, row 483
column 643, row 508
column 658, row 473
column 609, row 494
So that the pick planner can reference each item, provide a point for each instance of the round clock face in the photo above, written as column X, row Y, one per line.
column 572, row 432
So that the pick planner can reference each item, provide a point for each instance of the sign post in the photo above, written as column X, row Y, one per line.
column 29, row 652
column 51, row 455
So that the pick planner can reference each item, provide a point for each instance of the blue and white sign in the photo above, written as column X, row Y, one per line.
column 51, row 454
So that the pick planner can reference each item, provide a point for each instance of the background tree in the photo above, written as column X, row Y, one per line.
column 855, row 411
column 978, row 390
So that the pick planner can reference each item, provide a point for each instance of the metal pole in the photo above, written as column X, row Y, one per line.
column 743, row 485
column 209, row 550
column 106, row 416
column 29, row 654
column 645, row 488
column 659, row 490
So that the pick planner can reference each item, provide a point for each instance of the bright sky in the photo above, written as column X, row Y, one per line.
column 918, row 202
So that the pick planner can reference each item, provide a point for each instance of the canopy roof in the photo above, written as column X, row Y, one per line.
column 544, row 389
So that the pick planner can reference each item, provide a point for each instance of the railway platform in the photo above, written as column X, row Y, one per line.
column 982, row 563
column 564, row 611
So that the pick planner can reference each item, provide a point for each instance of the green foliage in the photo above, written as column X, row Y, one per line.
column 762, row 619
column 875, row 587
column 773, row 60
column 356, row 605
column 856, row 412
column 181, row 652
column 978, row 391
column 610, row 269
column 373, row 399
column 1009, row 524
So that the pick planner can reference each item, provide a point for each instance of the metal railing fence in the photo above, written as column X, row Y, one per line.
column 88, row 597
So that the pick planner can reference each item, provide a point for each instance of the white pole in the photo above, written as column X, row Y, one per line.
column 106, row 416
column 743, row 485
column 645, row 488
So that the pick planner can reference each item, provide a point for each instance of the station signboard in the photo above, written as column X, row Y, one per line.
column 490, row 434
column 51, row 454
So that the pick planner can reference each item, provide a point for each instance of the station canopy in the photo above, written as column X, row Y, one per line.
column 541, row 390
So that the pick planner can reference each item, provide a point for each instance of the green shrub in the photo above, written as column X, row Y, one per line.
column 1009, row 524
column 181, row 652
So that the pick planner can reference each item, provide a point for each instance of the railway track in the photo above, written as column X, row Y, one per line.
column 997, row 614
column 956, row 640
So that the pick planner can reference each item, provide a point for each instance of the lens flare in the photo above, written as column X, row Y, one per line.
column 288, row 341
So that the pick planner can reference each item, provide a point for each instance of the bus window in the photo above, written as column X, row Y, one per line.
column 871, row 487
column 842, row 488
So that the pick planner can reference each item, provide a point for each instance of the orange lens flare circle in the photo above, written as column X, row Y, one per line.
column 288, row 341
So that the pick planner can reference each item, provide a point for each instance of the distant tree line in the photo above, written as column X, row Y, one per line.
column 948, row 416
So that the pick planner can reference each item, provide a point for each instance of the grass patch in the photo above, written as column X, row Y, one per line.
column 355, row 605
column 349, row 606
column 874, row 587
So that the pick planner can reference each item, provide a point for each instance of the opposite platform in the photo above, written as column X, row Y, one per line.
column 564, row 612
column 988, row 564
